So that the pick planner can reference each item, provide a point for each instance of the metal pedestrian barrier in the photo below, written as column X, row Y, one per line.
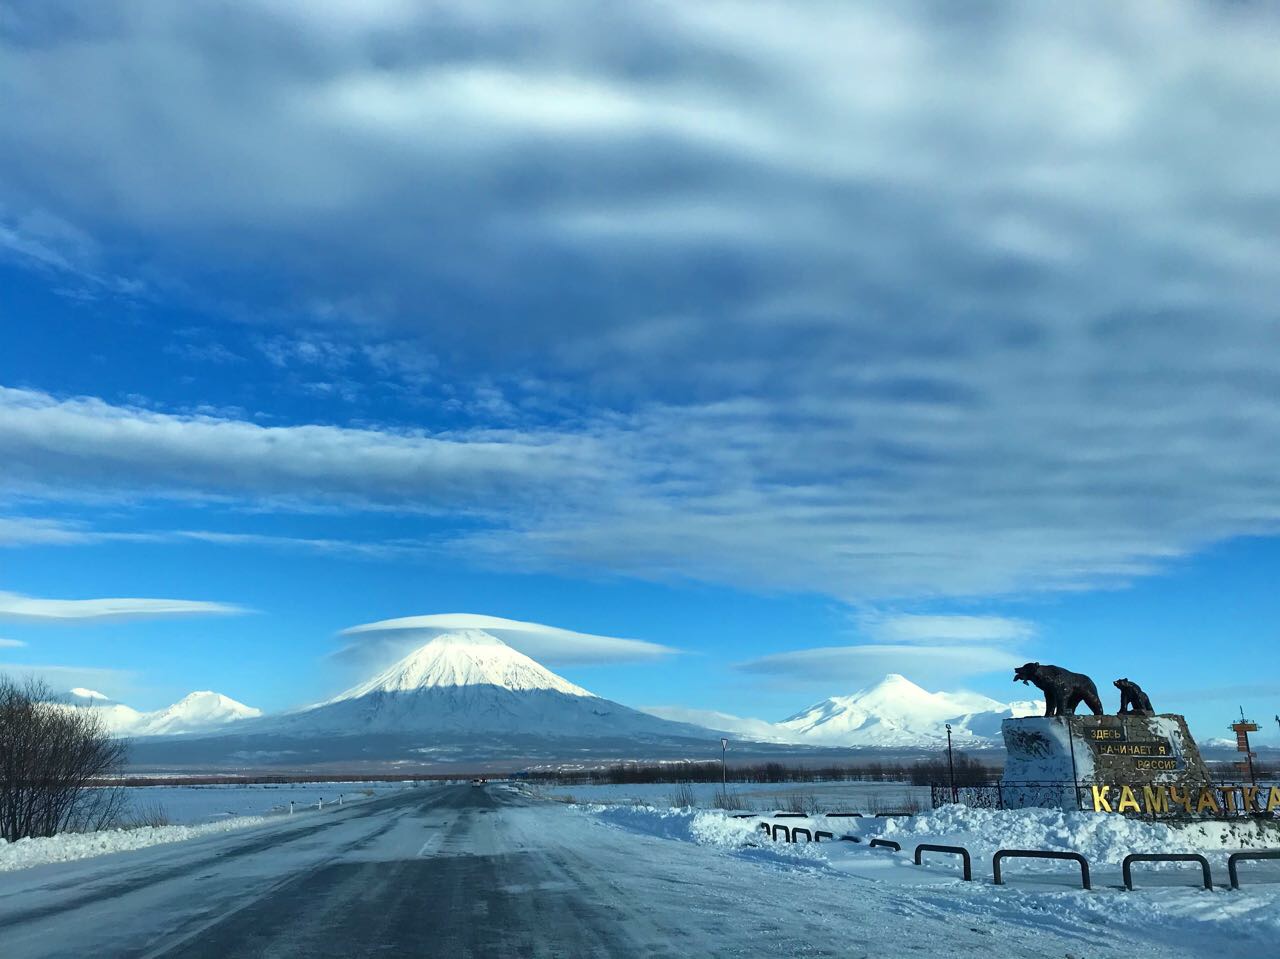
column 1039, row 854
column 1236, row 857
column 887, row 844
column 1126, row 867
column 954, row 850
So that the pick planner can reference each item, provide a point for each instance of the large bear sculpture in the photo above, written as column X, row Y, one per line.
column 1063, row 690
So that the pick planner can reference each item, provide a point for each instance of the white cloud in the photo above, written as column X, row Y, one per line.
column 26, row 608
column 865, row 664
column 59, row 678
column 11, row 643
column 915, row 628
column 892, row 353
column 88, row 445
column 386, row 640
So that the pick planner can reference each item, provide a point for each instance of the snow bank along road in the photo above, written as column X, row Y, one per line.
column 457, row 871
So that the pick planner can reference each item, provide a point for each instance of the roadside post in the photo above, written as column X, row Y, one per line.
column 951, row 767
column 724, row 769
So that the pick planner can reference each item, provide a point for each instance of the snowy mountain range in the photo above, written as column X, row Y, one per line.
column 196, row 712
column 464, row 695
column 467, row 695
column 893, row 713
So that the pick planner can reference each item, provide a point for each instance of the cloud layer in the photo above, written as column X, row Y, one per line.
column 880, row 302
column 382, row 642
column 30, row 609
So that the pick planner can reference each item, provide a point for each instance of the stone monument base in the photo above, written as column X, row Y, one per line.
column 1097, row 762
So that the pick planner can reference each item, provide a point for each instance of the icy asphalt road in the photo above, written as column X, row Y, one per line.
column 463, row 871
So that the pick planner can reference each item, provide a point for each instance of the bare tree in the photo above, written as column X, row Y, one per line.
column 52, row 762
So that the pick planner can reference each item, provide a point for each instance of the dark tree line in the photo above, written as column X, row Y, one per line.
column 968, row 770
column 52, row 762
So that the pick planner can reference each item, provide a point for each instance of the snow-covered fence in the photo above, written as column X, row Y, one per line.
column 785, row 832
column 796, row 831
column 819, row 833
column 1236, row 857
column 954, row 850
column 886, row 844
column 1039, row 854
column 1126, row 867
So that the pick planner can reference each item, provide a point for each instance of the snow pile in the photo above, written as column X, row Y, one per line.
column 68, row 846
column 704, row 827
column 1099, row 837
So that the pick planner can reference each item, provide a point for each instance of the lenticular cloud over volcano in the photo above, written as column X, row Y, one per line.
column 386, row 640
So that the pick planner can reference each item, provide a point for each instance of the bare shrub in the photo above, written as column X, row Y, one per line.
column 804, row 802
column 148, row 813
column 724, row 799
column 888, row 805
column 51, row 761
column 682, row 796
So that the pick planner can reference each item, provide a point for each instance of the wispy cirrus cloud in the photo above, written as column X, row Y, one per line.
column 87, row 445
column 14, row 606
column 936, row 629
column 925, row 647
column 11, row 643
column 60, row 677
column 864, row 664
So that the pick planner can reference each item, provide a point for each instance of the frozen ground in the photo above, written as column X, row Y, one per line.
column 824, row 796
column 496, row 871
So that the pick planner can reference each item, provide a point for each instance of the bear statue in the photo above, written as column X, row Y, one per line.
column 1063, row 690
column 1133, row 701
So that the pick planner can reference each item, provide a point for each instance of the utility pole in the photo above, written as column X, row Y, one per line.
column 951, row 767
column 724, row 769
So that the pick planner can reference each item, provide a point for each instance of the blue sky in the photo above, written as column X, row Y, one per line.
column 937, row 342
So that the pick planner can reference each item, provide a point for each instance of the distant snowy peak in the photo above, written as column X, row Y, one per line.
column 195, row 712
column 464, row 657
column 897, row 712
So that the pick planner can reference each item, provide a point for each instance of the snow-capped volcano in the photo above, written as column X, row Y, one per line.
column 468, row 685
column 465, row 657
column 897, row 712
column 196, row 712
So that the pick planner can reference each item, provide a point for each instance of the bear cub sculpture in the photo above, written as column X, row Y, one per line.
column 1063, row 690
column 1133, row 701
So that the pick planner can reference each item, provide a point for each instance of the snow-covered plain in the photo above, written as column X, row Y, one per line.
column 192, row 805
